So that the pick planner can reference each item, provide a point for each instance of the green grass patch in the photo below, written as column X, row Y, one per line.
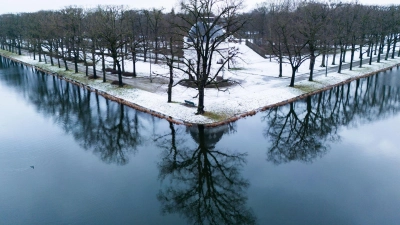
column 7, row 53
column 305, row 88
column 215, row 116
column 129, row 87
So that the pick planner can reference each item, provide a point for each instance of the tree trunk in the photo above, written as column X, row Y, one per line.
column 58, row 56
column 361, row 56
column 394, row 46
column 19, row 47
column 280, row 64
column 94, row 60
column 40, row 52
column 51, row 54
column 334, row 55
column 389, row 41
column 293, row 75
column 69, row 50
column 370, row 54
column 76, row 61
column 379, row 51
column 156, row 48
column 323, row 60
column 63, row 55
column 65, row 64
column 75, row 56
column 171, row 81
column 340, row 60
column 122, row 59
column 103, row 66
column 120, row 84
column 200, row 107
column 51, row 58
column 134, row 63
column 85, row 62
column 353, row 48
column 34, row 52
column 344, row 53
column 171, row 71
column 312, row 63
column 145, row 52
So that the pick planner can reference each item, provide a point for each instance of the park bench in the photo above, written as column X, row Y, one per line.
column 189, row 103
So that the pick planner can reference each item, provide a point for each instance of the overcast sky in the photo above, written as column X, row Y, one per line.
column 14, row 6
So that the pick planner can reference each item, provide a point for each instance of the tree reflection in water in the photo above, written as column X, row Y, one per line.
column 303, row 130
column 205, row 183
column 99, row 125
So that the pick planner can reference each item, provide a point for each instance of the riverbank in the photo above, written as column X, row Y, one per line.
column 259, row 89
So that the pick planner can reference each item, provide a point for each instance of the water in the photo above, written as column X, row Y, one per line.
column 68, row 156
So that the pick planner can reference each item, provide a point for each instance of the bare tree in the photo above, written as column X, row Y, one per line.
column 292, row 45
column 313, row 17
column 113, row 34
column 93, row 35
column 135, row 40
column 173, row 51
column 154, row 18
column 73, row 17
column 208, row 24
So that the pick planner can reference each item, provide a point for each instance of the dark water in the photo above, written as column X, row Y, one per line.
column 68, row 156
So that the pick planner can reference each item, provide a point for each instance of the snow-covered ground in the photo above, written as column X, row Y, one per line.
column 259, row 86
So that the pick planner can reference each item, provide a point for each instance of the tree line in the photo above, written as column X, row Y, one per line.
column 289, row 31
column 295, row 31
column 91, row 35
column 86, row 35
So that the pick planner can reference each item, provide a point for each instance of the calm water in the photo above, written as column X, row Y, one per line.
column 68, row 156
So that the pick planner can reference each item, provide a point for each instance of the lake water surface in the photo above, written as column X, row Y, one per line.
column 68, row 156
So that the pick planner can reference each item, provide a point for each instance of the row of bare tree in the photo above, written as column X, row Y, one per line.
column 86, row 35
column 294, row 31
column 89, row 36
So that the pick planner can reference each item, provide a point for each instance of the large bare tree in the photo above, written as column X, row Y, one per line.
column 114, row 34
column 313, row 17
column 208, row 24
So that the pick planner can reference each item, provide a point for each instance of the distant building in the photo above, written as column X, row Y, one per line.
column 200, row 29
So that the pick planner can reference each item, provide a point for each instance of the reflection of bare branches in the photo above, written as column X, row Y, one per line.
column 108, row 129
column 117, row 135
column 296, row 136
column 104, row 127
column 206, row 186
column 302, row 130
